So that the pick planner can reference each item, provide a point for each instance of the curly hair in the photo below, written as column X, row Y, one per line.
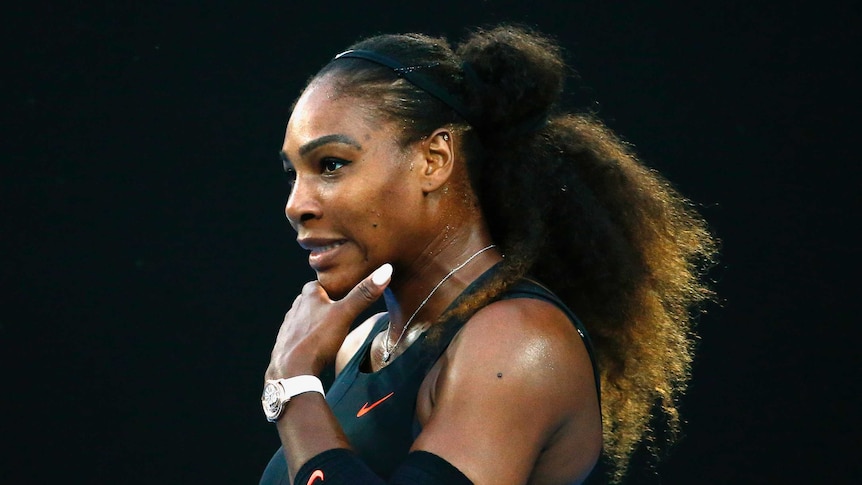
column 568, row 203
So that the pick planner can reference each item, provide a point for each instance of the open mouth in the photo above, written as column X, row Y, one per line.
column 322, row 249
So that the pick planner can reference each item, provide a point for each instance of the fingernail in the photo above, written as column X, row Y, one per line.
column 381, row 275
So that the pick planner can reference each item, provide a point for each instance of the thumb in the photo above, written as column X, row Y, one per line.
column 369, row 289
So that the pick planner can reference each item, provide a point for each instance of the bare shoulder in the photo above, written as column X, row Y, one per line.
column 353, row 341
column 525, row 339
column 518, row 368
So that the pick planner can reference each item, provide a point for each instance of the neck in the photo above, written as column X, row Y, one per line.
column 412, row 283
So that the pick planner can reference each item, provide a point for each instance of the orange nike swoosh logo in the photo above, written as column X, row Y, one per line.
column 314, row 476
column 366, row 407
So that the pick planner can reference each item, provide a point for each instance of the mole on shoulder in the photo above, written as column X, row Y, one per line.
column 499, row 375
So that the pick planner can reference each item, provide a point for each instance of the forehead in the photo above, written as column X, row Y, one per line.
column 322, row 111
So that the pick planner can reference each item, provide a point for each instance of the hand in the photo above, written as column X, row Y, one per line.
column 315, row 327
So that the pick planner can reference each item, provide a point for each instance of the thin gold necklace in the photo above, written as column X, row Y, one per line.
column 387, row 350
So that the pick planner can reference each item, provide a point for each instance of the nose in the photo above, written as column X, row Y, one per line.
column 302, row 205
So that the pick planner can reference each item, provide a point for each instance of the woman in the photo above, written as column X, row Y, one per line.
column 447, row 182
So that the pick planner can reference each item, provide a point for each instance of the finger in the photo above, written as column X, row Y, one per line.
column 368, row 290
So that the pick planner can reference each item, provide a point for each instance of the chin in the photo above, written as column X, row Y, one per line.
column 337, row 287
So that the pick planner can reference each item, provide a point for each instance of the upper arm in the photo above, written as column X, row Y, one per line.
column 353, row 342
column 516, row 381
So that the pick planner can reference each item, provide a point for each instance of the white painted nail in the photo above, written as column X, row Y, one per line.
column 381, row 275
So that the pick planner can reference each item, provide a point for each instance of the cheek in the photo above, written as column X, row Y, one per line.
column 391, row 207
column 381, row 205
column 381, row 222
column 374, row 220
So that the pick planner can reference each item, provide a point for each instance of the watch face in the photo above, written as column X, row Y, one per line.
column 271, row 400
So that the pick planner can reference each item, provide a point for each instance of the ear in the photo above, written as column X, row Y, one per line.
column 439, row 156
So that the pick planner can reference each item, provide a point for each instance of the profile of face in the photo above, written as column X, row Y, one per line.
column 355, row 193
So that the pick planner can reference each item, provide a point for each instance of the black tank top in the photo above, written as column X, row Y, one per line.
column 377, row 410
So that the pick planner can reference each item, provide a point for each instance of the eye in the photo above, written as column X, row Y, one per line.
column 329, row 165
column 290, row 173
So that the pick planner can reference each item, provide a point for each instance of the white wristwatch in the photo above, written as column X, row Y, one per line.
column 278, row 392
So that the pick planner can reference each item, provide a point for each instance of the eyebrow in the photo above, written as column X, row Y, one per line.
column 326, row 139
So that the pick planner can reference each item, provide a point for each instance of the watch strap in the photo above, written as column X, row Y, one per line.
column 278, row 392
column 293, row 386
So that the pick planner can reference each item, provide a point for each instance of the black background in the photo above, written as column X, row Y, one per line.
column 147, row 262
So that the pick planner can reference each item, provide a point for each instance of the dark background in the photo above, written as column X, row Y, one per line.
column 147, row 262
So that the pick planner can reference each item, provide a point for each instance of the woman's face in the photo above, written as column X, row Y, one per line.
column 355, row 194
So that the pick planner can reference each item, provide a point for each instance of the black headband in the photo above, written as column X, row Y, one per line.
column 416, row 78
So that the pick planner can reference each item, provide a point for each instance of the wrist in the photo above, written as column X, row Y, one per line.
column 278, row 392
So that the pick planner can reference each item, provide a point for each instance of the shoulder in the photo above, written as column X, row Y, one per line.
column 518, row 367
column 354, row 341
column 525, row 339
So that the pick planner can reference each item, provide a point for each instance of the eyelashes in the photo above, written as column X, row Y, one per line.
column 330, row 165
column 289, row 172
column 290, row 175
column 285, row 162
column 327, row 166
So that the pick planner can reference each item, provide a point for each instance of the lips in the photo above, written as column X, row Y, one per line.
column 319, row 243
column 323, row 250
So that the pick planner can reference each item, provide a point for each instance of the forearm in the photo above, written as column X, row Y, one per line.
column 307, row 428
